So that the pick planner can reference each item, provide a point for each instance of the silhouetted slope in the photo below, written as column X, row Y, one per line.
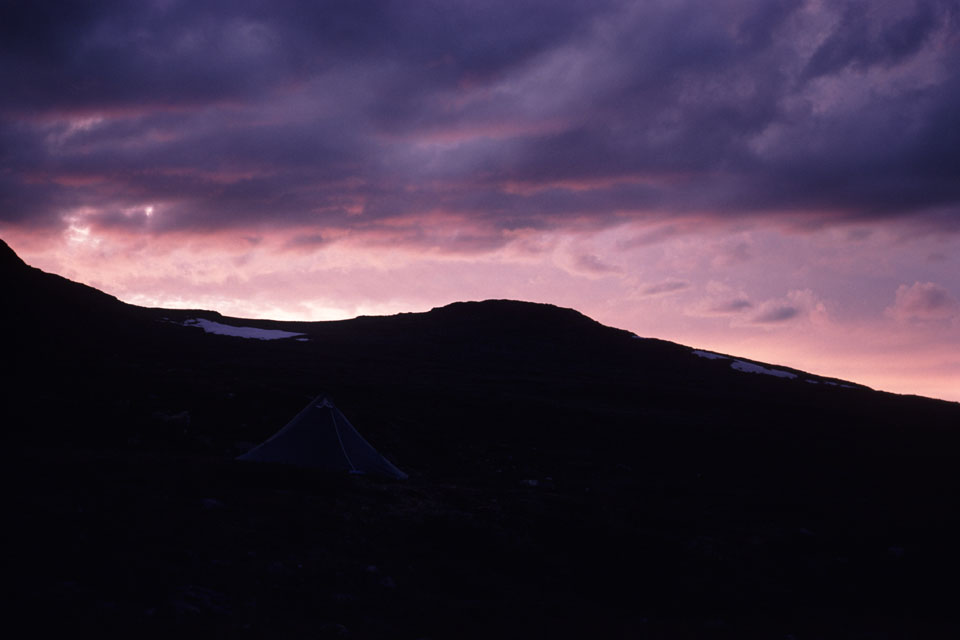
column 552, row 369
column 38, row 291
column 9, row 260
column 562, row 472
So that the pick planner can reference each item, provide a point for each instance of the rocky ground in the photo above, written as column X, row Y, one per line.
column 189, row 545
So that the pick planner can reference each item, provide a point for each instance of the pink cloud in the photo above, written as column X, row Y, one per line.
column 921, row 302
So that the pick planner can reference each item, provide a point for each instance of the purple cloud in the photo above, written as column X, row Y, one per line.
column 737, row 305
column 863, row 40
column 775, row 314
column 510, row 115
column 669, row 286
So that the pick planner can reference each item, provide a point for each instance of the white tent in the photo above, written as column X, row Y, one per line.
column 321, row 437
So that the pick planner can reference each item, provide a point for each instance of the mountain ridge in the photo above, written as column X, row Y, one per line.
column 521, row 316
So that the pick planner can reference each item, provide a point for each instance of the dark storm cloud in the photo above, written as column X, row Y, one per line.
column 512, row 115
column 859, row 41
column 102, row 54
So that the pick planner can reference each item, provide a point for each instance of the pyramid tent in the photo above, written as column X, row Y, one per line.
column 321, row 437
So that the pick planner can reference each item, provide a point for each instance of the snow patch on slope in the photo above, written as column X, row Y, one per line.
column 709, row 355
column 746, row 367
column 239, row 332
column 749, row 367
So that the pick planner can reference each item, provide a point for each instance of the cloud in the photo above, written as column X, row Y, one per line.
column 797, row 305
column 733, row 254
column 591, row 264
column 865, row 37
column 668, row 286
column 722, row 300
column 333, row 117
column 736, row 305
column 308, row 241
column 922, row 302
column 650, row 237
column 777, row 313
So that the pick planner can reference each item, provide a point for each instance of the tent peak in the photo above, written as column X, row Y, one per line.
column 321, row 437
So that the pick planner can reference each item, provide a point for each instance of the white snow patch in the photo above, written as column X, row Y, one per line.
column 709, row 355
column 749, row 367
column 303, row 339
column 811, row 382
column 239, row 332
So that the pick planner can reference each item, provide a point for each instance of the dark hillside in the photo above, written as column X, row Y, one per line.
column 567, row 480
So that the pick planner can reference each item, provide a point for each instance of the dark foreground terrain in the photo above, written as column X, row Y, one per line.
column 566, row 480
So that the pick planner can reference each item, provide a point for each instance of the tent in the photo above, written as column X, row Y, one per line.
column 321, row 437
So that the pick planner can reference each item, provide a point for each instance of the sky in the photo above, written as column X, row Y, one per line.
column 774, row 179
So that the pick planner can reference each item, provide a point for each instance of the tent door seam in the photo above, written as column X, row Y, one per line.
column 336, row 429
